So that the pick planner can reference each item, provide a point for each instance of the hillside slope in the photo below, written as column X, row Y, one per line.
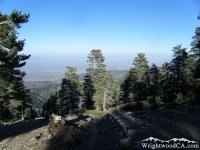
column 40, row 95
column 41, row 88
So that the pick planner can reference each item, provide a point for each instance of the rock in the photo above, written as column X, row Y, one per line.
column 89, row 119
column 58, row 117
column 49, row 136
column 32, row 141
column 55, row 125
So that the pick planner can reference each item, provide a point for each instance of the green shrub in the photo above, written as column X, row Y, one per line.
column 179, row 97
column 159, row 101
column 94, row 112
column 133, row 106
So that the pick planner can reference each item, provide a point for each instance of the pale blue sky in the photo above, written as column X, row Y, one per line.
column 65, row 27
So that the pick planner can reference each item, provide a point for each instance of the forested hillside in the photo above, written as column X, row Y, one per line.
column 40, row 95
column 41, row 88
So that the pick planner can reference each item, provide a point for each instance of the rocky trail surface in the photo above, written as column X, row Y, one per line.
column 117, row 131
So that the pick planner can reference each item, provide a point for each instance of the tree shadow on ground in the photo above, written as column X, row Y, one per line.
column 109, row 132
column 11, row 130
column 100, row 133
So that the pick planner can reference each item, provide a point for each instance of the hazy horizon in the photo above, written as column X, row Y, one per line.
column 62, row 33
column 49, row 65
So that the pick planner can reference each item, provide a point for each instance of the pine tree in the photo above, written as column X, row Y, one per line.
column 14, row 98
column 134, row 87
column 89, row 91
column 96, row 71
column 105, row 92
column 167, row 83
column 178, row 65
column 116, row 93
column 153, row 81
column 69, row 95
column 128, row 86
column 175, row 75
column 141, row 65
column 190, row 82
column 51, row 106
column 195, row 54
column 140, row 88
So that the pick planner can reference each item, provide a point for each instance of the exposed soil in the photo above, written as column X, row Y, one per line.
column 116, row 131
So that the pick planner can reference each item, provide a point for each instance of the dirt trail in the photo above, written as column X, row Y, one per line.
column 116, row 131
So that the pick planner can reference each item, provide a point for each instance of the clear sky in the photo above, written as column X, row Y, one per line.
column 117, row 27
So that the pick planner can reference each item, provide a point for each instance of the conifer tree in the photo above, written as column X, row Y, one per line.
column 141, row 64
column 96, row 71
column 105, row 88
column 14, row 98
column 140, row 88
column 195, row 54
column 134, row 87
column 128, row 86
column 174, row 74
column 167, row 83
column 69, row 95
column 88, row 88
column 153, row 82
column 51, row 106
column 178, row 63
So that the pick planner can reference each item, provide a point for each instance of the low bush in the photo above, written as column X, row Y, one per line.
column 134, row 106
column 94, row 112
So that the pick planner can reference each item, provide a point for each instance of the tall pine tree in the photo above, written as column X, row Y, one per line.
column 14, row 98
column 105, row 88
column 141, row 65
column 96, row 71
column 51, row 106
column 89, row 90
column 69, row 95
column 178, row 65
column 195, row 54
column 153, row 82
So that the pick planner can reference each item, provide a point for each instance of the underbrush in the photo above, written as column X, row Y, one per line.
column 134, row 106
column 94, row 112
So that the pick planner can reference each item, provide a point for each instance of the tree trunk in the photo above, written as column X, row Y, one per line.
column 104, row 100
